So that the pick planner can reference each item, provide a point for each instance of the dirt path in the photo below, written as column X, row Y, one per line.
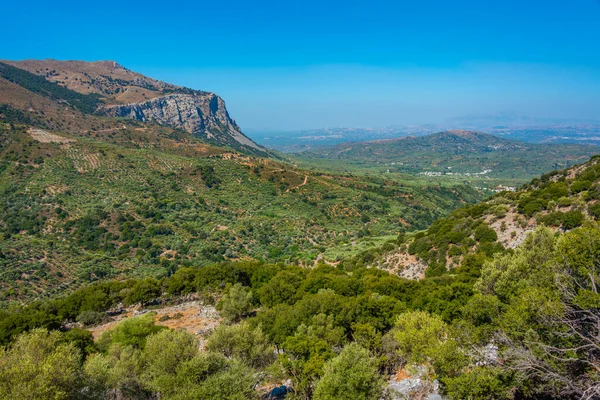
column 300, row 185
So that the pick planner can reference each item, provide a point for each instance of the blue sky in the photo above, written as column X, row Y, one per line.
column 308, row 64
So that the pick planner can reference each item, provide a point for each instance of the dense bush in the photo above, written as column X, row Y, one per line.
column 317, row 326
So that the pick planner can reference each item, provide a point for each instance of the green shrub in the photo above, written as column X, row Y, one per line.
column 532, row 207
column 594, row 210
column 91, row 318
column 130, row 332
column 236, row 304
column 484, row 234
column 572, row 219
column 579, row 186
column 351, row 375
column 243, row 342
column 39, row 365
column 481, row 383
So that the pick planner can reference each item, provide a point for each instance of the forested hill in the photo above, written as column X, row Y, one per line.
column 144, row 200
column 561, row 200
column 523, row 325
column 457, row 153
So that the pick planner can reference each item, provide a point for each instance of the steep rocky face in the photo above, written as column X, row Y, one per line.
column 128, row 94
column 201, row 114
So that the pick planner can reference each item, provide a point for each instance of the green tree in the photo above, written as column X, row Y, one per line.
column 164, row 353
column 366, row 336
column 420, row 335
column 351, row 375
column 549, row 324
column 232, row 381
column 425, row 339
column 40, row 365
column 484, row 233
column 143, row 291
column 244, row 342
column 82, row 339
column 236, row 304
column 507, row 274
column 120, row 369
column 282, row 287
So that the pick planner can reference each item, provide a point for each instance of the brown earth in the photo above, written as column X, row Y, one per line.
column 194, row 316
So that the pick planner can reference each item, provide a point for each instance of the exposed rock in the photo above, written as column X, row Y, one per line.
column 201, row 114
column 410, row 388
column 128, row 94
column 487, row 355
column 511, row 232
column 416, row 385
column 403, row 264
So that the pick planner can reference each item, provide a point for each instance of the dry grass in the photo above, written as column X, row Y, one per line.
column 43, row 136
column 107, row 77
column 194, row 317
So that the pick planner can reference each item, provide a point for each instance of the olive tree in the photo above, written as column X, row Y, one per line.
column 351, row 375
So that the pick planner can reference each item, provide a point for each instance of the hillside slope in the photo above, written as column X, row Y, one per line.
column 106, row 88
column 457, row 153
column 140, row 201
column 561, row 200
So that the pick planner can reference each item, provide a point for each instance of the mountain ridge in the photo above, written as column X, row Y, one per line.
column 455, row 152
column 560, row 200
column 123, row 93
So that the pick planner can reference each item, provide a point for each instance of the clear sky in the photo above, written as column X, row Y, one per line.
column 290, row 64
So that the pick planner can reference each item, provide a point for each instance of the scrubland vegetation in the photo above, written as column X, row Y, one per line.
column 91, row 209
column 330, row 330
column 99, row 215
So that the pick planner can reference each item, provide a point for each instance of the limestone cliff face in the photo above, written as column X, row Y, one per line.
column 200, row 113
column 126, row 93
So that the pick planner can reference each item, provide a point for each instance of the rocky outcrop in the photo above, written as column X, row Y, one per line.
column 128, row 94
column 202, row 114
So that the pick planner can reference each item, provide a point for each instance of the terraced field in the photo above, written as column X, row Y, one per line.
column 83, row 208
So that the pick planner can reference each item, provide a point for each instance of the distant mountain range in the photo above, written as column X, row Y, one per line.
column 298, row 141
column 526, row 131
column 457, row 152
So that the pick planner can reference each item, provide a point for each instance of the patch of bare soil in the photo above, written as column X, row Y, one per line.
column 194, row 316
column 43, row 136
column 404, row 265
column 512, row 228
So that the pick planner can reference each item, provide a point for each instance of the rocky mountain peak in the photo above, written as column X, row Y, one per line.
column 110, row 64
column 128, row 94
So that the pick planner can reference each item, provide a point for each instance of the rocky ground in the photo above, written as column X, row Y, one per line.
column 193, row 316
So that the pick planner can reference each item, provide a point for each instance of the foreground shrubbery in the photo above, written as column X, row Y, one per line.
column 563, row 200
column 527, row 327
